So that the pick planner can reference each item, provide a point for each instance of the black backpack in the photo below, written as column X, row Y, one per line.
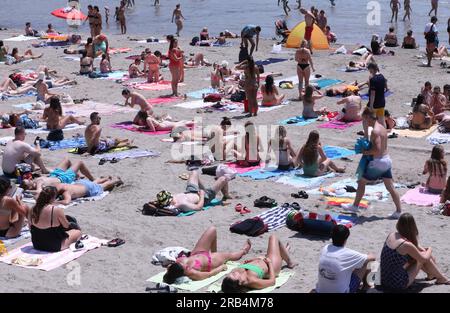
column 153, row 209
column 251, row 227
column 243, row 54
column 55, row 135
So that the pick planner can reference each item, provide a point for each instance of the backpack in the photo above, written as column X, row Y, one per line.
column 154, row 209
column 55, row 135
column 243, row 54
column 212, row 97
column 194, row 41
column 251, row 227
column 238, row 96
column 431, row 35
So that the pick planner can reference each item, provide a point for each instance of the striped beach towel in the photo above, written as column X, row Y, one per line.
column 275, row 218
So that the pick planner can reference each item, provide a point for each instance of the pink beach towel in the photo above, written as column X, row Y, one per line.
column 118, row 50
column 420, row 197
column 338, row 124
column 163, row 100
column 129, row 126
column 49, row 260
column 241, row 170
column 162, row 85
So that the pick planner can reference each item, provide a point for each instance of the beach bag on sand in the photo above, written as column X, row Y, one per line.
column 153, row 209
column 238, row 96
column 55, row 135
column 251, row 227
column 311, row 225
column 212, row 97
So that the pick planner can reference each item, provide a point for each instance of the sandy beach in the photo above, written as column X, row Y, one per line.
column 126, row 268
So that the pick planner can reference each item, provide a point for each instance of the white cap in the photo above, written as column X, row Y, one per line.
column 224, row 64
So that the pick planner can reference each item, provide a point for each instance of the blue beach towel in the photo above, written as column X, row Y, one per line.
column 260, row 174
column 270, row 61
column 28, row 94
column 213, row 203
column 64, row 144
column 298, row 180
column 298, row 121
column 337, row 152
column 199, row 93
column 386, row 94
column 326, row 82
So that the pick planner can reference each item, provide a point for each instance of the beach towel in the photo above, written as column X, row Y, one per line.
column 346, row 70
column 275, row 218
column 47, row 260
column 297, row 121
column 129, row 126
column 420, row 197
column 337, row 124
column 161, row 85
column 118, row 50
column 282, row 279
column 191, row 285
column 28, row 198
column 196, row 104
column 347, row 220
column 128, row 154
column 438, row 138
column 43, row 130
column 77, row 142
column 337, row 152
column 24, row 234
column 226, row 44
column 4, row 96
column 198, row 94
column 325, row 82
column 20, row 38
column 153, row 42
column 116, row 75
column 338, row 201
column 87, row 107
column 300, row 181
column 415, row 133
column 261, row 174
column 386, row 94
column 241, row 170
column 162, row 100
column 213, row 203
column 24, row 106
column 270, row 61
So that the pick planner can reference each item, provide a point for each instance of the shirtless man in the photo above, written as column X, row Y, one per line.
column 395, row 6
column 247, row 34
column 177, row 15
column 438, row 102
column 85, row 188
column 43, row 94
column 66, row 173
column 310, row 19
column 434, row 7
column 95, row 143
column 380, row 166
column 18, row 151
column 133, row 69
column 152, row 62
column 196, row 195
column 134, row 98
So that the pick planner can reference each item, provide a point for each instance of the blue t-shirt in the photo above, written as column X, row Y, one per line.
column 378, row 84
column 249, row 31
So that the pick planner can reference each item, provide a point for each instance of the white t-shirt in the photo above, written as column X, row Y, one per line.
column 336, row 265
column 428, row 27
column 15, row 152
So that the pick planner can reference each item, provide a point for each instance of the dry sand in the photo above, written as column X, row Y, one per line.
column 125, row 269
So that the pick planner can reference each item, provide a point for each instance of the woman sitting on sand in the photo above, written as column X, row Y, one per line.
column 49, row 226
column 313, row 159
column 309, row 100
column 402, row 258
column 282, row 147
column 54, row 116
column 260, row 272
column 105, row 66
column 270, row 93
column 247, row 153
column 12, row 211
column 197, row 60
column 409, row 42
column 204, row 260
column 436, row 168
column 390, row 39
column 86, row 64
column 28, row 55
column 421, row 116
column 352, row 110
column 376, row 46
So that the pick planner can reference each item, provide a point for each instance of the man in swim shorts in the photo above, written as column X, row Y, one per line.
column 377, row 89
column 247, row 34
column 95, row 143
column 85, row 188
column 310, row 19
column 66, row 173
column 379, row 166
column 196, row 195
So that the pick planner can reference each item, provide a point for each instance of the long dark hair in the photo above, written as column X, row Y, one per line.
column 407, row 228
column 310, row 149
column 281, row 134
column 251, row 65
column 14, row 51
column 172, row 43
column 4, row 186
column 55, row 105
column 420, row 100
column 47, row 195
column 174, row 271
column 232, row 286
column 269, row 84
column 309, row 91
column 437, row 164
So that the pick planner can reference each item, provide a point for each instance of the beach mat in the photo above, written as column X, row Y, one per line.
column 270, row 61
column 161, row 85
column 298, row 180
column 116, row 75
column 191, row 285
column 335, row 124
column 128, row 154
column 386, row 94
column 213, row 203
column 49, row 261
column 262, row 174
column 163, row 100
column 282, row 279
column 75, row 202
column 438, row 138
column 24, row 234
column 297, row 121
column 338, row 201
column 66, row 144
column 241, row 170
column 198, row 94
column 43, row 130
column 4, row 96
column 129, row 126
column 196, row 104
column 333, row 152
column 325, row 82
column 414, row 133
column 420, row 197
column 21, row 38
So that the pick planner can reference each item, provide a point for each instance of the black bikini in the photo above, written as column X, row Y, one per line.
column 48, row 239
column 303, row 66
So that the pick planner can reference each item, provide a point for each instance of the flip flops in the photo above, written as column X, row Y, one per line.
column 102, row 161
column 265, row 202
column 115, row 242
column 114, row 160
column 393, row 135
column 350, row 188
column 300, row 195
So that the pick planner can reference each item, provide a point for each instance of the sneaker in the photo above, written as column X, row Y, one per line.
column 350, row 207
column 395, row 215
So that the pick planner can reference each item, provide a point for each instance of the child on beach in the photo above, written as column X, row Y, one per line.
column 436, row 168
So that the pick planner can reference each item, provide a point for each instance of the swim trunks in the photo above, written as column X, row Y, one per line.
column 308, row 32
column 66, row 177
column 92, row 189
column 210, row 194
column 379, row 112
column 379, row 168
column 105, row 145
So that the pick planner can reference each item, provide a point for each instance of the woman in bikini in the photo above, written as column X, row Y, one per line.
column 247, row 154
column 260, row 272
column 54, row 116
column 422, row 116
column 304, row 66
column 270, row 93
column 402, row 258
column 309, row 100
column 282, row 147
column 28, row 55
column 204, row 260
column 178, row 16
column 175, row 62
column 49, row 227
column 313, row 159
column 97, row 21
column 9, row 87
column 12, row 211
column 251, row 84
column 352, row 110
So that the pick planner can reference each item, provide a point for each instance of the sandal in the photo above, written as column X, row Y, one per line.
column 295, row 206
column 102, row 161
column 115, row 242
column 114, row 160
column 393, row 135
column 349, row 188
column 265, row 202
